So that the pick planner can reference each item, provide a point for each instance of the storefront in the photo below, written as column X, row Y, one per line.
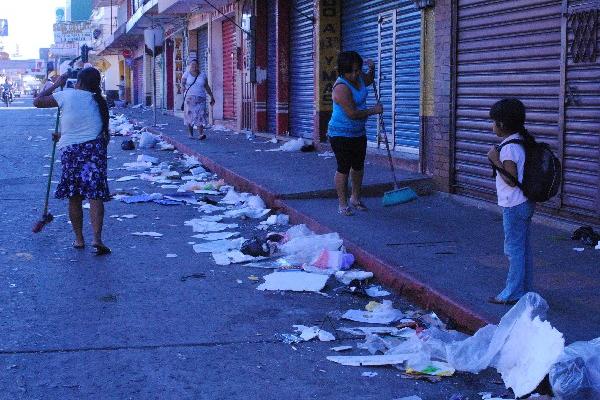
column 138, row 80
column 389, row 33
column 229, row 69
column 541, row 55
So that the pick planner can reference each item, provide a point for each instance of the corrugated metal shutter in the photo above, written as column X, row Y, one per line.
column 399, row 41
column 271, row 67
column 505, row 49
column 203, row 49
column 138, row 80
column 581, row 188
column 228, row 70
column 302, row 81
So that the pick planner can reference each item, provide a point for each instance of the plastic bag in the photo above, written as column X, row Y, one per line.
column 305, row 248
column 147, row 140
column 576, row 375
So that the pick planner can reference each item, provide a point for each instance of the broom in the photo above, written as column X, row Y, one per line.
column 398, row 195
column 47, row 217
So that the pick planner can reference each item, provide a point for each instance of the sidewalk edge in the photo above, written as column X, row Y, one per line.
column 402, row 283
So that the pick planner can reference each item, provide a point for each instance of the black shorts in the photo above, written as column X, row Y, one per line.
column 349, row 152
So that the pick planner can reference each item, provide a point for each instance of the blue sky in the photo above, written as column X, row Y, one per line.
column 30, row 25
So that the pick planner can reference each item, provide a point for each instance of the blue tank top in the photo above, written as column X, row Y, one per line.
column 340, row 124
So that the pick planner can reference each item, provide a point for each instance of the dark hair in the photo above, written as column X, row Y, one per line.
column 89, row 79
column 347, row 60
column 510, row 113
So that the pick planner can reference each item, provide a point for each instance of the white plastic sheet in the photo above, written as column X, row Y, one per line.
column 383, row 313
column 296, row 281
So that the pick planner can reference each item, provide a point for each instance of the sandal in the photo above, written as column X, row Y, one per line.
column 101, row 249
column 346, row 211
column 78, row 246
column 359, row 205
column 494, row 300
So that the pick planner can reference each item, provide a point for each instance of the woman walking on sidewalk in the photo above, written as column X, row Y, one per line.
column 83, row 140
column 346, row 130
column 508, row 116
column 195, row 85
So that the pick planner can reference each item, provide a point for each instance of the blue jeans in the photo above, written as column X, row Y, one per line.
column 517, row 247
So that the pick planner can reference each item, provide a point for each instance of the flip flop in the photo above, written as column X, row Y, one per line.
column 78, row 246
column 101, row 250
column 359, row 205
column 346, row 211
column 494, row 300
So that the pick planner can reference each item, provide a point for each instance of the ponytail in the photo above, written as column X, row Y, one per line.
column 103, row 108
column 89, row 79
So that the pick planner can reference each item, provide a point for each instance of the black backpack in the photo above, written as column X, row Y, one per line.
column 542, row 174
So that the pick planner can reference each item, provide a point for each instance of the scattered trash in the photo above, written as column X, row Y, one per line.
column 216, row 235
column 150, row 234
column 127, row 178
column 233, row 257
column 203, row 226
column 307, row 148
column 579, row 249
column 333, row 260
column 381, row 313
column 140, row 198
column 291, row 145
column 576, row 374
column 143, row 158
column 369, row 361
column 109, row 298
column 296, row 281
column 586, row 235
column 346, row 277
column 310, row 332
column 192, row 276
column 147, row 140
column 279, row 219
column 171, row 255
column 341, row 348
column 127, row 144
column 376, row 291
column 219, row 246
column 326, row 154
column 369, row 374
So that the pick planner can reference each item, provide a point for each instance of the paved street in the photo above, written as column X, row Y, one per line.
column 136, row 324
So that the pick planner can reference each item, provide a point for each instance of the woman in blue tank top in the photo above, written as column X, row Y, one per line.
column 346, row 130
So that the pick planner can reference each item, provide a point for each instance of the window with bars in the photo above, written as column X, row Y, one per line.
column 584, row 36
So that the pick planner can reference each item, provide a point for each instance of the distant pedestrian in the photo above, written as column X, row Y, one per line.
column 121, row 87
column 83, row 139
column 346, row 130
column 508, row 116
column 195, row 85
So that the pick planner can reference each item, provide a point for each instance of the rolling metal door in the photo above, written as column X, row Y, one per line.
column 392, row 28
column 159, row 82
column 203, row 49
column 228, row 70
column 505, row 49
column 581, row 187
column 138, row 80
column 271, row 67
column 302, row 81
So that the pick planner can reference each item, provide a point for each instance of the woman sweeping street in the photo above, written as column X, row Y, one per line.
column 195, row 85
column 83, row 140
column 346, row 130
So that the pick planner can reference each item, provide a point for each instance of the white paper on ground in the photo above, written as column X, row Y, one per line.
column 384, row 313
column 296, row 281
column 147, row 158
column 291, row 145
column 373, row 330
column 376, row 291
column 233, row 257
column 341, row 348
column 200, row 226
column 216, row 235
column 233, row 198
column 248, row 212
column 151, row 234
column 256, row 202
column 359, row 361
column 137, row 166
column 209, row 208
column 346, row 277
column 310, row 332
column 128, row 216
column 410, row 398
column 369, row 374
column 219, row 246
column 127, row 178
column 171, row 255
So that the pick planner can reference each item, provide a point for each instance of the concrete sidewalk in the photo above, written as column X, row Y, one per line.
column 437, row 251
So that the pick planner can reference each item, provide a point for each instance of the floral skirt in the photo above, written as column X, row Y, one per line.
column 194, row 112
column 84, row 171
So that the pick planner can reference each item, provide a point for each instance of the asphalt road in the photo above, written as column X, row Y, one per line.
column 127, row 326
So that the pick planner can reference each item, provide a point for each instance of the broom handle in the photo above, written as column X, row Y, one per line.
column 51, row 163
column 387, row 144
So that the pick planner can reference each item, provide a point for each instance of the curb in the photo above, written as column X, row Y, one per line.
column 405, row 285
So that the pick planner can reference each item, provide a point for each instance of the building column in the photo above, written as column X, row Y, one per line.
column 261, row 60
column 282, row 15
column 328, row 34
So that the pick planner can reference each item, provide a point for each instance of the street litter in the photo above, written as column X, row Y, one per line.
column 171, row 255
column 369, row 374
column 326, row 154
column 140, row 198
column 576, row 374
column 333, row 260
column 279, row 219
column 164, row 146
column 219, row 246
column 209, row 208
column 247, row 212
column 189, row 161
column 137, row 165
column 202, row 226
column 369, row 361
column 291, row 145
column 232, row 197
column 310, row 332
column 376, row 291
column 346, row 277
column 586, row 235
column 187, row 198
column 303, row 249
column 147, row 158
column 147, row 140
column 127, row 178
column 216, row 235
column 233, row 257
column 579, row 249
column 381, row 313
column 296, row 281
column 341, row 348
column 151, row 234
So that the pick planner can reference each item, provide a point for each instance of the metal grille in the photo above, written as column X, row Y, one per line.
column 584, row 25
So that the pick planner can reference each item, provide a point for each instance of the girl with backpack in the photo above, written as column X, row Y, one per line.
column 508, row 116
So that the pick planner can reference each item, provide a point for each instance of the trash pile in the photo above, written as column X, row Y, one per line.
column 524, row 348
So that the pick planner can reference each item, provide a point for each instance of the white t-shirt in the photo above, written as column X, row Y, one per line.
column 80, row 119
column 511, row 196
column 197, row 89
